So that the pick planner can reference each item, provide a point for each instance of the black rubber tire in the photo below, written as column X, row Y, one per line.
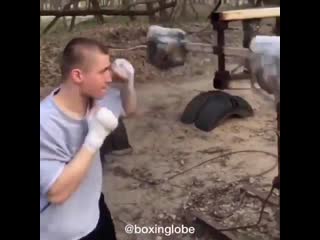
column 243, row 108
column 216, row 109
column 193, row 108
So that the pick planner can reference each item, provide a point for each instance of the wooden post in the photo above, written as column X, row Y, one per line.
column 126, row 5
column 163, row 13
column 150, row 8
column 73, row 20
column 50, row 25
column 221, row 41
column 95, row 5
column 277, row 179
column 277, row 27
column 222, row 77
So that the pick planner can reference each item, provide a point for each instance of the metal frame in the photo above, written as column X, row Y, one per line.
column 222, row 76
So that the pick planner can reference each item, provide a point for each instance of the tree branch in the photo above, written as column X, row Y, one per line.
column 114, row 12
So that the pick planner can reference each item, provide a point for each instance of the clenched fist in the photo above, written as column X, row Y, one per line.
column 123, row 72
column 101, row 123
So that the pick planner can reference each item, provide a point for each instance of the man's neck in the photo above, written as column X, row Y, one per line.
column 71, row 101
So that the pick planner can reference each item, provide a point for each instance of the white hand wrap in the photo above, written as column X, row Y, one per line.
column 101, row 123
column 124, row 69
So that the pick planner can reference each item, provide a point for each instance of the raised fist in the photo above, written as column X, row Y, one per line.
column 123, row 71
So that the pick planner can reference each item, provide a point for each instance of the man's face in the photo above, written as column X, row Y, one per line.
column 96, row 75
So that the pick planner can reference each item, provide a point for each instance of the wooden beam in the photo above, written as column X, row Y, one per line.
column 214, row 226
column 261, row 195
column 232, row 51
column 240, row 76
column 243, row 14
column 199, row 47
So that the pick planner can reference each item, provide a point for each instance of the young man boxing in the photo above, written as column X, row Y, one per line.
column 75, row 119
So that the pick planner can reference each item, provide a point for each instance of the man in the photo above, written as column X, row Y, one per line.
column 75, row 119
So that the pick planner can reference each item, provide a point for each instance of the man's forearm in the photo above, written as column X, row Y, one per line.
column 129, row 99
column 71, row 177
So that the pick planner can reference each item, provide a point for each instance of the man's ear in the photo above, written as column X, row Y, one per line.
column 77, row 76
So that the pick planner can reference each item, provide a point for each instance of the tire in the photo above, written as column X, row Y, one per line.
column 194, row 107
column 243, row 108
column 216, row 109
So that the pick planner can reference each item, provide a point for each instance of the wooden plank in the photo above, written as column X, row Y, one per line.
column 214, row 226
column 261, row 195
column 254, row 13
column 227, row 51
column 240, row 76
column 199, row 47
column 232, row 51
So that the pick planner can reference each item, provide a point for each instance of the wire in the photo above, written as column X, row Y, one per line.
column 161, row 181
column 264, row 203
column 221, row 156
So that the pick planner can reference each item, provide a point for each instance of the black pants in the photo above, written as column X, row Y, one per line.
column 105, row 228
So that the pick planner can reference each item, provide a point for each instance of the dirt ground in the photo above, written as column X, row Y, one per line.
column 163, row 147
column 142, row 188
